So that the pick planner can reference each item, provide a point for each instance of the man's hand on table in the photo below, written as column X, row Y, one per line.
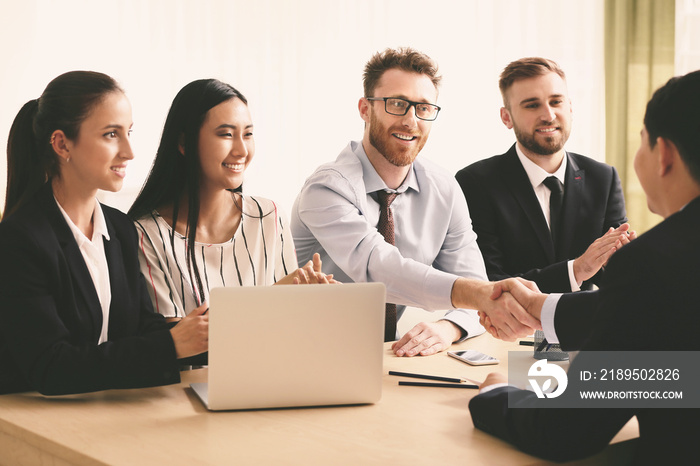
column 427, row 338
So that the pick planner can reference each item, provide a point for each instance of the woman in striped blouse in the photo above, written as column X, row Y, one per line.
column 197, row 230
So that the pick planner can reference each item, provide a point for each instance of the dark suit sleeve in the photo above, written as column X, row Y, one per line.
column 552, row 434
column 551, row 279
column 615, row 215
column 45, row 341
column 488, row 228
column 574, row 317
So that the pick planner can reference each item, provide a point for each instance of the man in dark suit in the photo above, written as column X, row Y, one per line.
column 510, row 197
column 646, row 302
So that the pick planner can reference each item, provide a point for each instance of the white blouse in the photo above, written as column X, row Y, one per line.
column 260, row 253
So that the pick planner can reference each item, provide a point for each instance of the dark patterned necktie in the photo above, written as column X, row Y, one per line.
column 386, row 228
column 556, row 199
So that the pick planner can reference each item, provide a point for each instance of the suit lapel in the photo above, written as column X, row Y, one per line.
column 575, row 179
column 117, row 278
column 82, row 281
column 517, row 181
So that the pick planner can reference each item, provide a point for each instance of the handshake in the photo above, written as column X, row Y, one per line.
column 513, row 309
column 514, row 305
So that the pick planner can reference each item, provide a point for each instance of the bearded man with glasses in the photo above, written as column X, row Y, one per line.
column 379, row 214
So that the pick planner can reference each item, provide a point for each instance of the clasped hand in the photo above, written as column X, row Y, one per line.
column 514, row 309
column 516, row 304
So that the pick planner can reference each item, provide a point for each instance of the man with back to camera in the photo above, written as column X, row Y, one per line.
column 421, row 245
column 646, row 302
column 561, row 240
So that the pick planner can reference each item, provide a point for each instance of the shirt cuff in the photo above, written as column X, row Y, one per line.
column 488, row 388
column 547, row 317
column 437, row 290
column 575, row 286
column 467, row 320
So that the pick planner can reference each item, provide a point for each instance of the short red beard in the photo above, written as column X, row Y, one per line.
column 380, row 138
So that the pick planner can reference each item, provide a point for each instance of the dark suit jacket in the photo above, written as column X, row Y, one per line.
column 647, row 301
column 512, row 231
column 50, row 315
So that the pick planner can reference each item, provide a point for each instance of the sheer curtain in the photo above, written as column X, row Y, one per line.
column 300, row 62
column 639, row 58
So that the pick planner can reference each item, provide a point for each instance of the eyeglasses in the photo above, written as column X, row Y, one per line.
column 396, row 106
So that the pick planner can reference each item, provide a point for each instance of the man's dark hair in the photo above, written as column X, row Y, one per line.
column 673, row 113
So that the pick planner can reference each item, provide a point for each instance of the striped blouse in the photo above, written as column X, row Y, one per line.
column 260, row 253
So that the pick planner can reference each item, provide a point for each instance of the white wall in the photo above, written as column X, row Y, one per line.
column 687, row 36
column 294, row 60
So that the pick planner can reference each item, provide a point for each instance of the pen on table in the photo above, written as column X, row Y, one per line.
column 437, row 384
column 429, row 377
column 527, row 342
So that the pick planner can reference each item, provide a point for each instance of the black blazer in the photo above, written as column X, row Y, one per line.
column 512, row 231
column 647, row 301
column 50, row 315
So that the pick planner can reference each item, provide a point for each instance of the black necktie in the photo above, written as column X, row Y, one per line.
column 386, row 228
column 556, row 199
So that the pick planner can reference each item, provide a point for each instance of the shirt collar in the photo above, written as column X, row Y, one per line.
column 99, row 224
column 537, row 174
column 374, row 182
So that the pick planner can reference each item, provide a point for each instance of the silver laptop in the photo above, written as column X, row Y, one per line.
column 294, row 345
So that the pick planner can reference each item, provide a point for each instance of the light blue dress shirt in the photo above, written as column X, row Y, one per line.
column 336, row 215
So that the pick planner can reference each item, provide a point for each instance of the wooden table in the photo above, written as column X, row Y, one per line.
column 169, row 425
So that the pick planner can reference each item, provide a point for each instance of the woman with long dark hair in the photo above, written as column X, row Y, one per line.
column 74, row 312
column 197, row 228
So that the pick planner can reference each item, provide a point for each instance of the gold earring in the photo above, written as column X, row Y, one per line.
column 53, row 138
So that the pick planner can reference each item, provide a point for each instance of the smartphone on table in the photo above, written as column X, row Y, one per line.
column 473, row 357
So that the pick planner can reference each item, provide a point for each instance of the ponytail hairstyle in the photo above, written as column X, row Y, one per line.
column 64, row 105
column 175, row 174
